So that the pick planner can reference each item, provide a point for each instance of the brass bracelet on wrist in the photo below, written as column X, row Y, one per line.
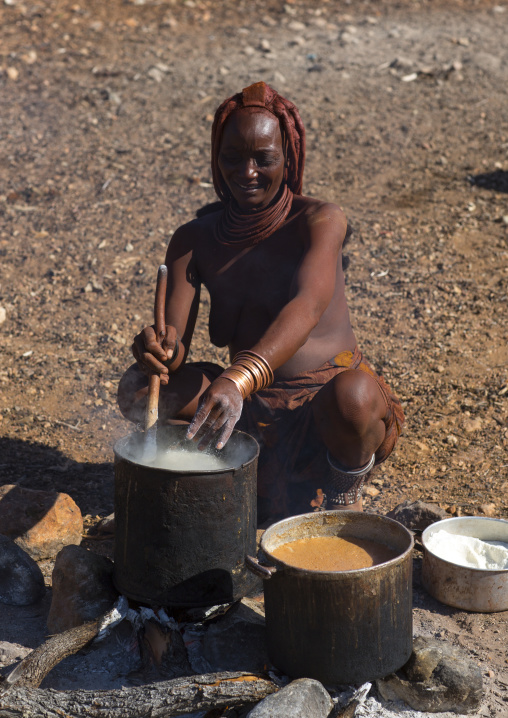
column 250, row 372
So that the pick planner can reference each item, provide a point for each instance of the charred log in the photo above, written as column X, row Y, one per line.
column 157, row 700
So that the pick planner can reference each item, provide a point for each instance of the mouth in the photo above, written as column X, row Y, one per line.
column 248, row 188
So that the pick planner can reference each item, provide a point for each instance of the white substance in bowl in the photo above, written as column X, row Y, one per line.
column 469, row 551
column 182, row 460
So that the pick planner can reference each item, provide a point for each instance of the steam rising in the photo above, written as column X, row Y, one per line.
column 173, row 452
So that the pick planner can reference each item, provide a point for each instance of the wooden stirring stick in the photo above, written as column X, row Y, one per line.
column 152, row 406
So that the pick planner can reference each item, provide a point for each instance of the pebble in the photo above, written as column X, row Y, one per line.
column 155, row 74
column 12, row 73
column 488, row 510
column 3, row 315
column 21, row 580
column 297, row 26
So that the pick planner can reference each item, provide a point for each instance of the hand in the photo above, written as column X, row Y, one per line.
column 220, row 407
column 149, row 354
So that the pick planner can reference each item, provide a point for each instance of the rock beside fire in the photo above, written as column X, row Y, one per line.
column 438, row 677
column 303, row 698
column 21, row 580
column 237, row 642
column 40, row 522
column 417, row 515
column 82, row 588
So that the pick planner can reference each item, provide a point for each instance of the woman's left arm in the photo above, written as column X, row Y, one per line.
column 313, row 288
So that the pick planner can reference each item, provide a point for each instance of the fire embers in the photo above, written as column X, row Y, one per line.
column 161, row 648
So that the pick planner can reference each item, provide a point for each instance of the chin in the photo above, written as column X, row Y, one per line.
column 253, row 202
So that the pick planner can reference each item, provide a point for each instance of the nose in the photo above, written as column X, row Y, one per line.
column 249, row 169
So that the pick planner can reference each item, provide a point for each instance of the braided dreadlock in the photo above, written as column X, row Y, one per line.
column 251, row 227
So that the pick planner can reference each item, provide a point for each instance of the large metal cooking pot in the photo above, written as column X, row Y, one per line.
column 339, row 627
column 181, row 537
column 472, row 589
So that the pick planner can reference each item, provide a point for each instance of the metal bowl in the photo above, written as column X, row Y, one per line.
column 473, row 589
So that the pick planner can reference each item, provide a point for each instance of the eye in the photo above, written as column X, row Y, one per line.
column 229, row 158
column 265, row 159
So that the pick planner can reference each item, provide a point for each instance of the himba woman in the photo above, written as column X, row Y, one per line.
column 271, row 259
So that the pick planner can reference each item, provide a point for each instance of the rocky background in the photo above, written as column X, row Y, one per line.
column 106, row 112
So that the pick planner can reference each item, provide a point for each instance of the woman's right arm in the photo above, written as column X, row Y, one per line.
column 182, row 305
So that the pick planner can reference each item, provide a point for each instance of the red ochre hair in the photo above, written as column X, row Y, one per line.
column 293, row 133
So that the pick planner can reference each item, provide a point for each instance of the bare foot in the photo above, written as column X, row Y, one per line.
column 357, row 506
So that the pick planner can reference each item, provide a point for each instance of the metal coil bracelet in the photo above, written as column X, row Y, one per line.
column 250, row 372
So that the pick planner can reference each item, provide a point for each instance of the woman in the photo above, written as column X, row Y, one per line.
column 271, row 259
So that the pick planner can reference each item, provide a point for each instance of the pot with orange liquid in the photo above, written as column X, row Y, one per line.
column 338, row 595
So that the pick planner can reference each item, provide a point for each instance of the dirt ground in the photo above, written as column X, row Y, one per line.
column 105, row 118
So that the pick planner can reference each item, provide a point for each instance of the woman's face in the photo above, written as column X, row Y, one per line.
column 251, row 157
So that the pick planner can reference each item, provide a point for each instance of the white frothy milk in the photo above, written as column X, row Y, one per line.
column 469, row 551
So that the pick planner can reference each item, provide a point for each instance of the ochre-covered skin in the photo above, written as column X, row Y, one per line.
column 282, row 296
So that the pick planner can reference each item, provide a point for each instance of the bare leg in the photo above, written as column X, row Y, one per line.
column 349, row 412
column 178, row 400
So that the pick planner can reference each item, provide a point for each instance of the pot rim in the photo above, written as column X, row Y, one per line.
column 463, row 519
column 183, row 472
column 282, row 565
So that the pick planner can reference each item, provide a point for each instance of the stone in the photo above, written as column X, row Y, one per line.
column 237, row 641
column 82, row 588
column 438, row 677
column 11, row 652
column 489, row 510
column 3, row 315
column 303, row 698
column 21, row 580
column 417, row 515
column 40, row 522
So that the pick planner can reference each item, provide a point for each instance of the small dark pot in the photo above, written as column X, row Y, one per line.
column 181, row 537
column 339, row 627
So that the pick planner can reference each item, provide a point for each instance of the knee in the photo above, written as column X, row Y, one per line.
column 358, row 400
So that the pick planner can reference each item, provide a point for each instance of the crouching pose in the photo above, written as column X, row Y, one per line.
column 271, row 259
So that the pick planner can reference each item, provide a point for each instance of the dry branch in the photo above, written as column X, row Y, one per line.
column 157, row 700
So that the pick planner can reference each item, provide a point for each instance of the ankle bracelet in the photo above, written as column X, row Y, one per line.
column 345, row 485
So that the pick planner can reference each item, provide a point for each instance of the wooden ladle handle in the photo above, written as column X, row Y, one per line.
column 159, row 316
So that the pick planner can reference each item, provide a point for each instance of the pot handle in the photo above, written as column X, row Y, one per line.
column 264, row 572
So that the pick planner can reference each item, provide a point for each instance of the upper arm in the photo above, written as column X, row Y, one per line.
column 182, row 298
column 315, row 281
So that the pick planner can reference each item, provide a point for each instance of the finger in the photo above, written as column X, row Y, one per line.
column 146, row 361
column 153, row 366
column 151, row 344
column 199, row 419
column 169, row 342
column 210, row 431
column 227, row 429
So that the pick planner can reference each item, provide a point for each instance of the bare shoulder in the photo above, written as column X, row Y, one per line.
column 326, row 217
column 190, row 235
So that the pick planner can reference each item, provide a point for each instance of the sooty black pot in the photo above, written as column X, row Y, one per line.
column 181, row 536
